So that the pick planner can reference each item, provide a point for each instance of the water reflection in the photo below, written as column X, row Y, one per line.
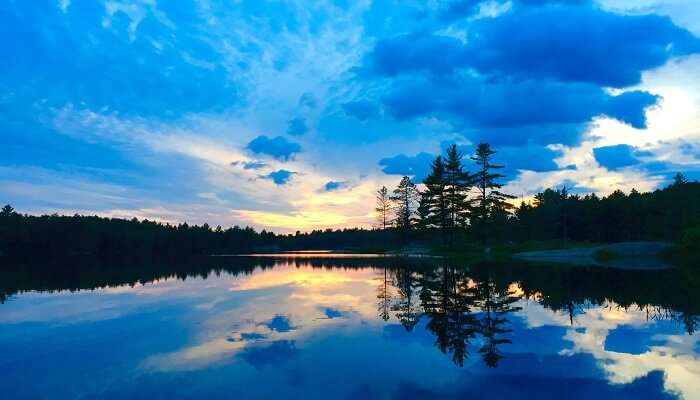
column 372, row 327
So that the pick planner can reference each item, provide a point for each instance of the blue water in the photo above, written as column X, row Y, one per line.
column 298, row 329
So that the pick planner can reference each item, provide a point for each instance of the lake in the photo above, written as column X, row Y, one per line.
column 319, row 326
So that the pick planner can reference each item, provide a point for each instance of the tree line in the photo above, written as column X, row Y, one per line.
column 23, row 235
column 457, row 205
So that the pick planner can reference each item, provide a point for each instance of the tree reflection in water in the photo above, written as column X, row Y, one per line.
column 458, row 309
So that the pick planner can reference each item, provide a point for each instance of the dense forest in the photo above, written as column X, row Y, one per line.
column 451, row 207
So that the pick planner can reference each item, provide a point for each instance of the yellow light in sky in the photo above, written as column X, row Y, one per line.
column 301, row 220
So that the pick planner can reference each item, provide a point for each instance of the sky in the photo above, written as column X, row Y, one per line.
column 289, row 115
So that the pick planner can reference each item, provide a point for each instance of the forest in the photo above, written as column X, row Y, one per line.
column 455, row 206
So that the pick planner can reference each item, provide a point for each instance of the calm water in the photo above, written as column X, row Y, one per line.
column 347, row 328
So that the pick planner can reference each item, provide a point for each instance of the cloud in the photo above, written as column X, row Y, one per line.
column 479, row 103
column 615, row 157
column 278, row 147
column 334, row 185
column 576, row 44
column 361, row 109
column 280, row 323
column 565, row 43
column 416, row 52
column 417, row 166
column 532, row 158
column 544, row 88
column 248, row 165
column 308, row 100
column 297, row 127
column 58, row 62
column 280, row 177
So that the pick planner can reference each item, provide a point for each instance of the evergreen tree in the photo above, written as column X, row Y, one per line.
column 405, row 198
column 433, row 208
column 383, row 209
column 679, row 179
column 489, row 197
column 457, row 186
column 7, row 211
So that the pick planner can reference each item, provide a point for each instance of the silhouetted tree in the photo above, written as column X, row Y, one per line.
column 383, row 209
column 406, row 306
column 494, row 305
column 405, row 198
column 457, row 186
column 7, row 211
column 446, row 299
column 489, row 197
column 433, row 208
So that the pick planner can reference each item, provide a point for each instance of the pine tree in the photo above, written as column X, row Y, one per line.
column 383, row 208
column 7, row 211
column 489, row 197
column 457, row 186
column 405, row 198
column 432, row 209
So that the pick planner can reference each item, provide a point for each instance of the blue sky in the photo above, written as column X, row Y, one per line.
column 288, row 114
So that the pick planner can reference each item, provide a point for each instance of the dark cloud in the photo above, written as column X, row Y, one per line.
column 566, row 43
column 278, row 147
column 250, row 164
column 361, row 109
column 417, row 166
column 536, row 74
column 476, row 102
column 531, row 158
column 279, row 177
column 615, row 157
column 578, row 44
column 331, row 313
column 280, row 323
column 333, row 185
column 297, row 127
column 416, row 52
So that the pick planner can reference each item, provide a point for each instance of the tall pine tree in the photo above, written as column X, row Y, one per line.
column 383, row 208
column 489, row 200
column 457, row 186
column 405, row 198
column 433, row 210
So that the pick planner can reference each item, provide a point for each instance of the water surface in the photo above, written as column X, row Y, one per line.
column 310, row 327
